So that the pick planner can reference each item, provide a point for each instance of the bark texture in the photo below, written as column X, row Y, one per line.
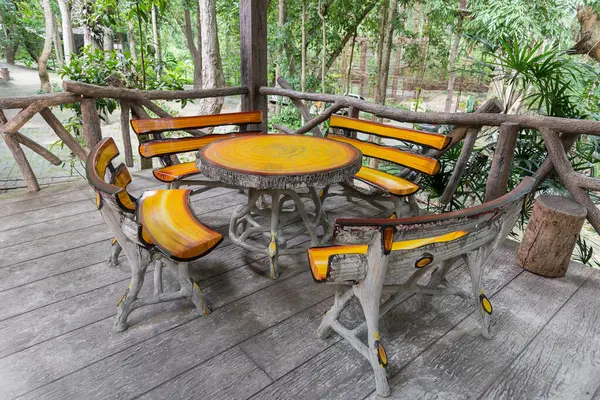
column 43, row 60
column 212, row 70
column 67, row 29
column 589, row 42
column 194, row 50
column 551, row 236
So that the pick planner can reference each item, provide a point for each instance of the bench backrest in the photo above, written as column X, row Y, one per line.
column 409, row 159
column 109, row 182
column 158, row 146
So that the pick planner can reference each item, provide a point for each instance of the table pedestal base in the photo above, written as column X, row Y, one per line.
column 253, row 223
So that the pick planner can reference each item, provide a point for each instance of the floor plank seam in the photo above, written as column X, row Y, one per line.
column 50, row 233
column 144, row 340
column 28, row 211
column 444, row 334
column 498, row 375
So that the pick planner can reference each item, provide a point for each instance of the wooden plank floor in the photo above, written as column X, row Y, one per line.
column 58, row 297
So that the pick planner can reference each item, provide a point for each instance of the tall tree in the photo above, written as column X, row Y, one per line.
column 131, row 39
column 303, row 67
column 43, row 60
column 67, row 29
column 156, row 39
column 321, row 12
column 280, row 24
column 195, row 51
column 453, row 55
column 386, row 50
column 9, row 30
column 212, row 68
column 58, row 48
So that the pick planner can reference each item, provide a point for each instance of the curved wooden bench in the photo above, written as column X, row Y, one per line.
column 369, row 254
column 173, row 172
column 395, row 188
column 158, row 227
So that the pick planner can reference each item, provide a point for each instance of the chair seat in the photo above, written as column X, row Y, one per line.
column 390, row 183
column 175, row 172
column 169, row 223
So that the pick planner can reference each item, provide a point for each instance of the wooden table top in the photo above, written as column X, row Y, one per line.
column 279, row 161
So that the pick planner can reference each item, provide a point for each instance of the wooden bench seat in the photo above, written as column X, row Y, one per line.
column 394, row 187
column 394, row 254
column 174, row 172
column 171, row 225
column 159, row 228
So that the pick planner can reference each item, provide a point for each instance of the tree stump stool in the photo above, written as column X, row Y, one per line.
column 551, row 235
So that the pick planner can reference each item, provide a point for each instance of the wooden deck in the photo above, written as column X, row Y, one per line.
column 58, row 299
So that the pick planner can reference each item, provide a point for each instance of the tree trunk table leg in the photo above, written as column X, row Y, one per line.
column 273, row 255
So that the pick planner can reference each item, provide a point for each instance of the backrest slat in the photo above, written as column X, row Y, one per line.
column 122, row 179
column 414, row 161
column 434, row 140
column 156, row 125
column 162, row 147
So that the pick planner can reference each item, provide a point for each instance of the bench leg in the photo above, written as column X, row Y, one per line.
column 343, row 294
column 127, row 302
column 368, row 293
column 475, row 262
column 115, row 251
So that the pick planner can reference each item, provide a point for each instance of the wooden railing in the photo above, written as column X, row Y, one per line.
column 559, row 135
column 133, row 102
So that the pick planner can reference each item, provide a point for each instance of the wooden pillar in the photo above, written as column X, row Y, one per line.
column 497, row 181
column 92, row 133
column 126, row 133
column 551, row 235
column 22, row 163
column 253, row 50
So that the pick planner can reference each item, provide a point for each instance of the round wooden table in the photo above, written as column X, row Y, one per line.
column 275, row 166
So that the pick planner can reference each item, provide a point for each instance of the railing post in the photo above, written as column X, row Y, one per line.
column 497, row 181
column 92, row 133
column 253, row 50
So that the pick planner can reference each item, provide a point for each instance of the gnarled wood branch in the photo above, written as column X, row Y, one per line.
column 63, row 134
column 300, row 105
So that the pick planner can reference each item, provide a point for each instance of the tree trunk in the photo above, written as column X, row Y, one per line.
column 10, row 52
column 131, row 39
column 589, row 42
column 551, row 235
column 67, row 29
column 349, row 70
column 212, row 71
column 384, row 64
column 156, row 40
column 451, row 67
column 280, row 23
column 43, row 60
column 196, row 54
column 58, row 49
column 324, row 46
column 363, row 65
column 397, row 68
column 382, row 33
column 107, row 37
column 303, row 67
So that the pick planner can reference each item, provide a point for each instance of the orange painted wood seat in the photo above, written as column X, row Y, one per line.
column 167, row 149
column 377, row 179
column 170, row 224
column 158, row 228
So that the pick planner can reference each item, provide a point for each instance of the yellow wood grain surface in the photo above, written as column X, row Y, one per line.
column 279, row 154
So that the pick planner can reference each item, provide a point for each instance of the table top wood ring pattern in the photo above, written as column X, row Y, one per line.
column 279, row 161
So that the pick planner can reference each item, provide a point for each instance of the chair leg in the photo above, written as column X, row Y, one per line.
column 115, row 251
column 368, row 293
column 195, row 293
column 127, row 303
column 475, row 262
column 343, row 294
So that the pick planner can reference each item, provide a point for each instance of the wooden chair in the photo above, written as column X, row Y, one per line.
column 159, row 227
column 394, row 188
column 174, row 172
column 372, row 255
